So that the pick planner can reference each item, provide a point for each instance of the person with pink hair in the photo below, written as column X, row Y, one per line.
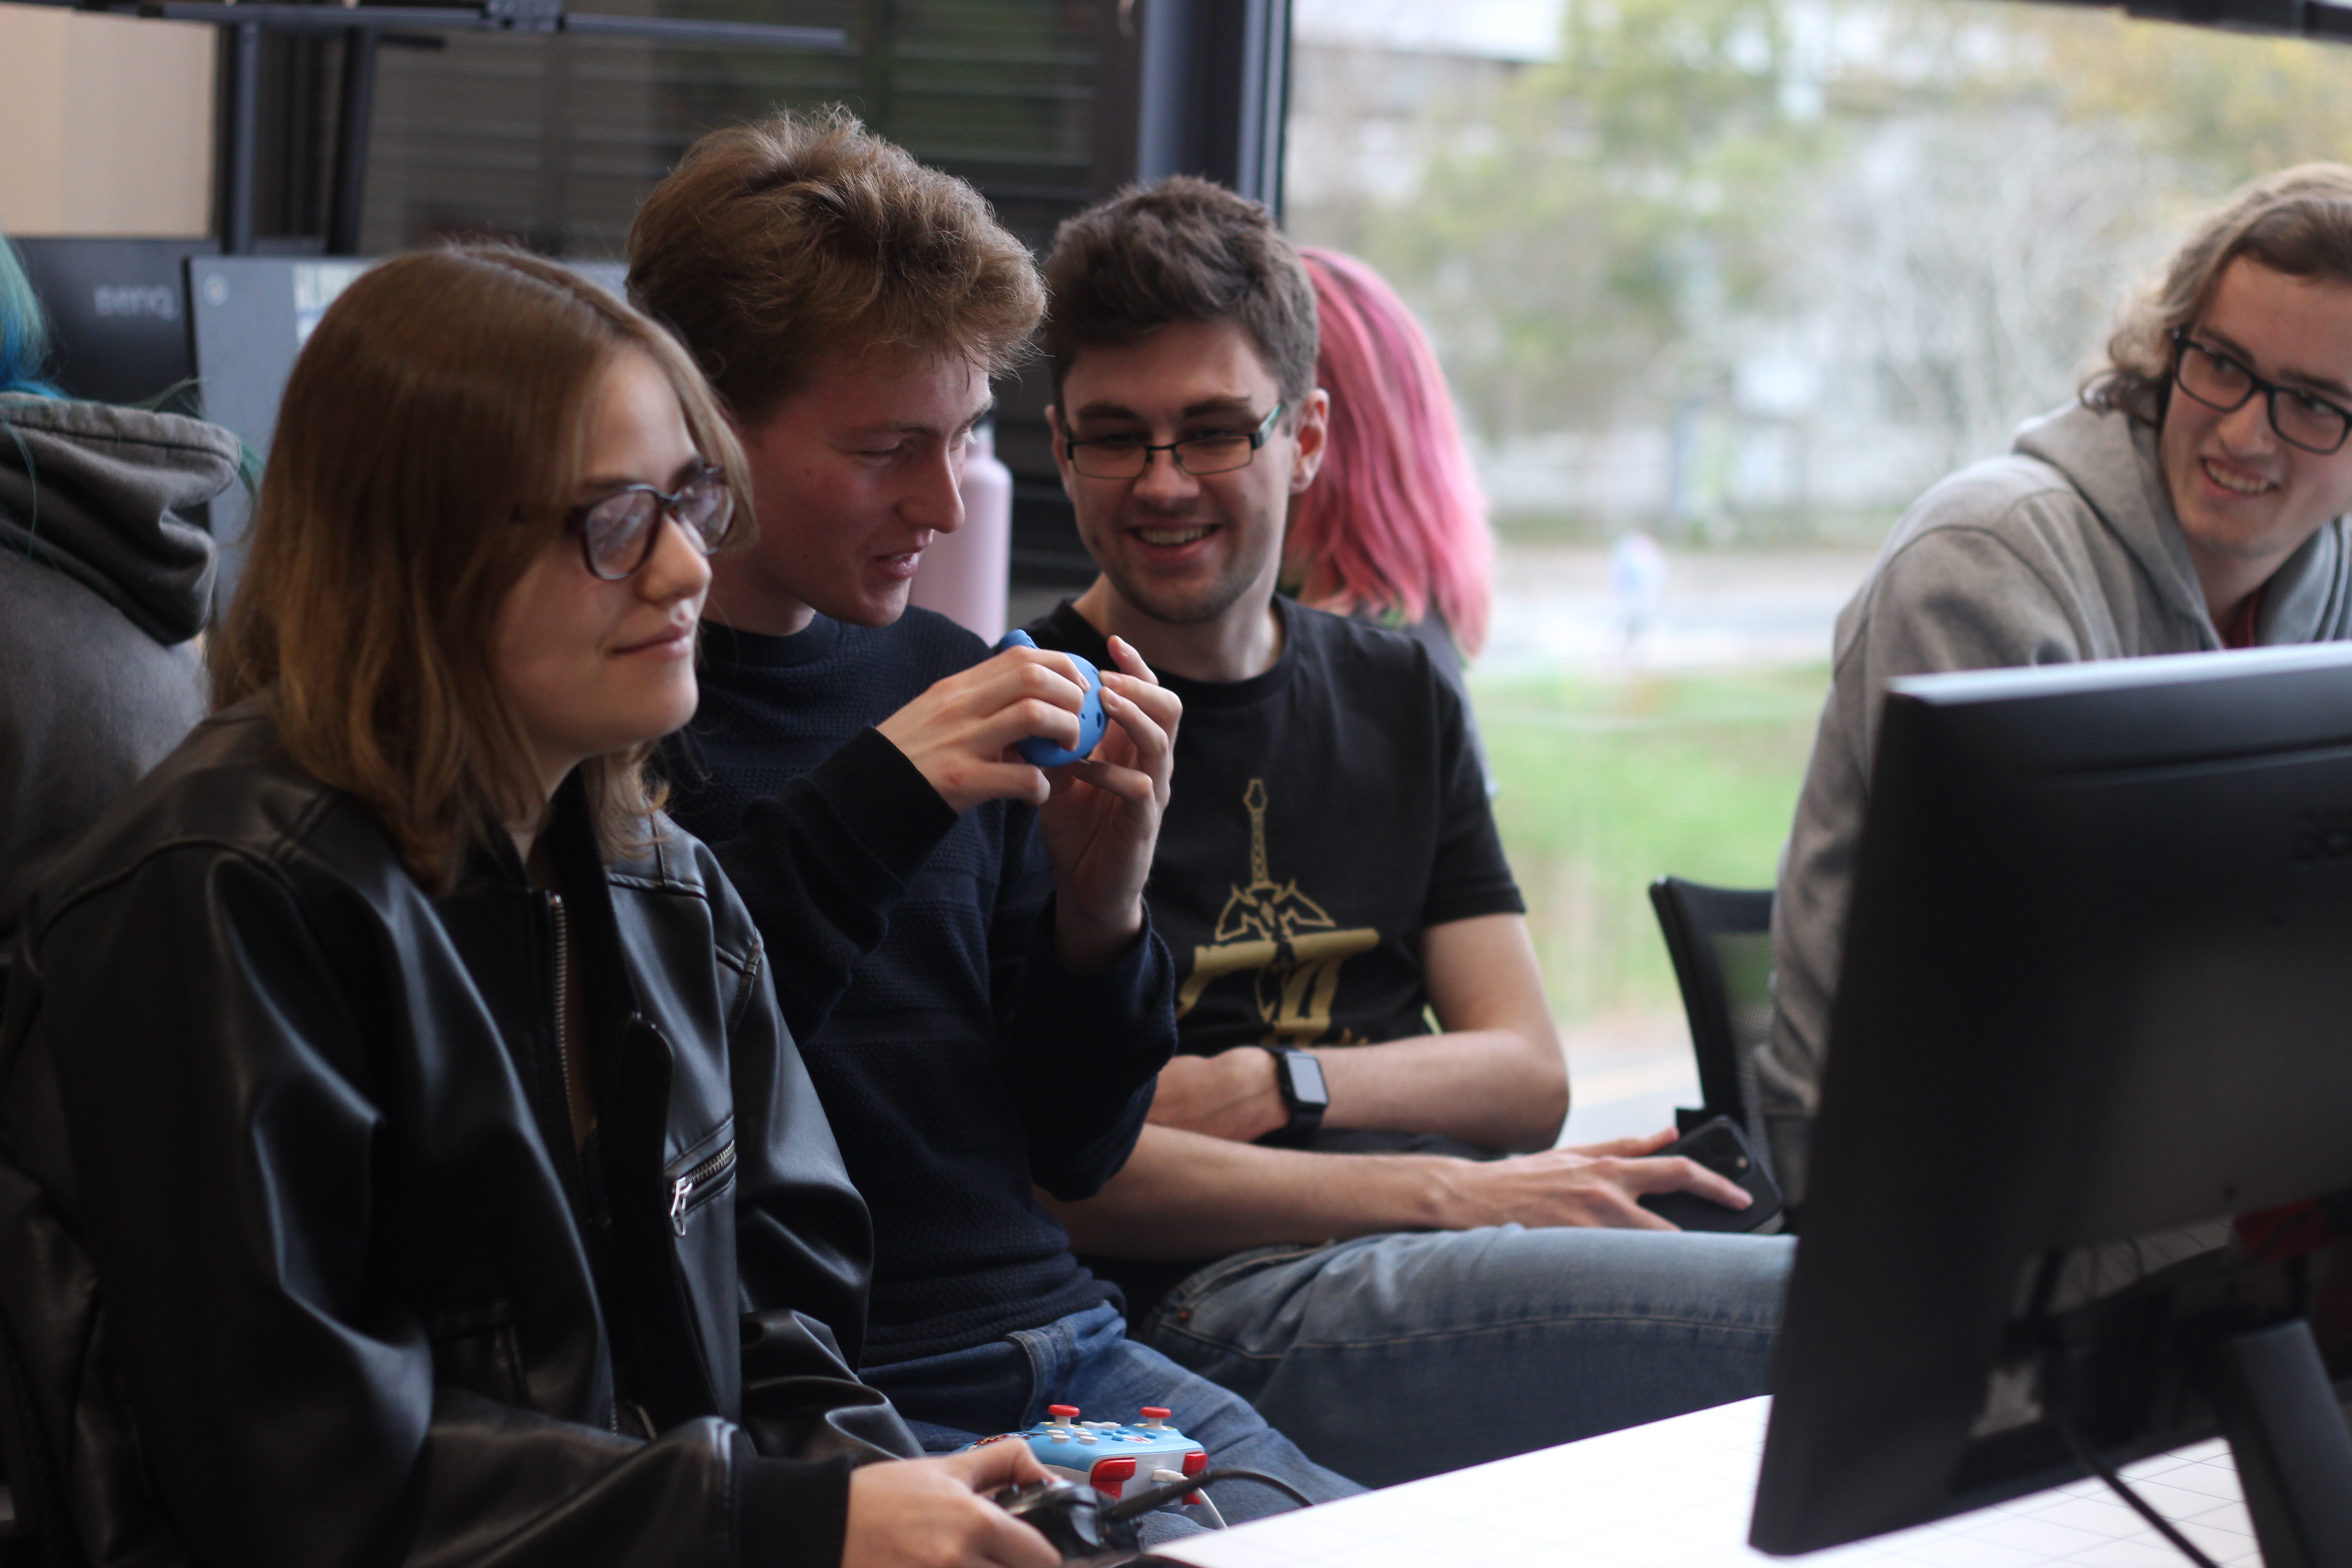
column 1393, row 530
column 1395, row 527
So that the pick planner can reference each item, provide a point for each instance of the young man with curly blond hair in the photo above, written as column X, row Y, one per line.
column 960, row 939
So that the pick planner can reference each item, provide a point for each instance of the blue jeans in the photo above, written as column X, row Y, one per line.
column 1086, row 1360
column 1393, row 1357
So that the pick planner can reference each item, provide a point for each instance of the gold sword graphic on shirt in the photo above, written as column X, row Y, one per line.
column 1284, row 940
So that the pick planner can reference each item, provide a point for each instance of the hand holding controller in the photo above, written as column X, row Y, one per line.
column 1070, row 1516
column 1102, row 1476
column 1043, row 752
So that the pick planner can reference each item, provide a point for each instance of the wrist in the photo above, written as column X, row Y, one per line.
column 1087, row 945
column 1257, row 1085
column 1444, row 1193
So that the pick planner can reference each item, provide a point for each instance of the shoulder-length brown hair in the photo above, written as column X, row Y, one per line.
column 2297, row 221
column 428, row 449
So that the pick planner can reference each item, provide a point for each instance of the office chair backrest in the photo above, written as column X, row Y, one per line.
column 1720, row 940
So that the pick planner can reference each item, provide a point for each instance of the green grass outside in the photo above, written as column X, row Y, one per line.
column 1609, row 783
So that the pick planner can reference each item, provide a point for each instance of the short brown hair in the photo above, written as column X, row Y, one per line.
column 1181, row 251
column 2298, row 222
column 773, row 246
column 429, row 443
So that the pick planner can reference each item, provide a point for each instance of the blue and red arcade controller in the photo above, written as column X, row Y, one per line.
column 1110, row 1456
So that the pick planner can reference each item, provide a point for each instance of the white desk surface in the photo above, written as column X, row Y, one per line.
column 1675, row 1494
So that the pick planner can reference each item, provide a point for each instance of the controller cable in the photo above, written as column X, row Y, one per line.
column 2088, row 1457
column 1144, row 1502
column 2045, row 1286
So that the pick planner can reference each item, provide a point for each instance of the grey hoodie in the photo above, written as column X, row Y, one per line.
column 2065, row 549
column 102, row 587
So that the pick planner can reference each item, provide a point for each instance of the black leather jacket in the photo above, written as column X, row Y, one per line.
column 297, row 1258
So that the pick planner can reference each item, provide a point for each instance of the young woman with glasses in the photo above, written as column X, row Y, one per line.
column 401, row 1155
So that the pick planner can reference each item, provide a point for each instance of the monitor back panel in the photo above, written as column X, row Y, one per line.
column 2094, row 991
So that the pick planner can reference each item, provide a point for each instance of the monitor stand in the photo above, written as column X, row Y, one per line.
column 2292, row 1448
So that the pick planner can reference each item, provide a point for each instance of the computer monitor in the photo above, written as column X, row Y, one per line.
column 2096, row 1011
column 248, row 316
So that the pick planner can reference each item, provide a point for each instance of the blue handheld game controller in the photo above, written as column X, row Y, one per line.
column 1092, row 721
column 1113, row 1459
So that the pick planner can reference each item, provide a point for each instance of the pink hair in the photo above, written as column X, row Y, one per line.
column 1395, row 519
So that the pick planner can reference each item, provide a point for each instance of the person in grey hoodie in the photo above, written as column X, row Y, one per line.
column 2194, row 499
column 104, row 585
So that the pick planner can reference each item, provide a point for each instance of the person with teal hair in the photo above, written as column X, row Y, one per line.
column 105, row 579
column 24, row 333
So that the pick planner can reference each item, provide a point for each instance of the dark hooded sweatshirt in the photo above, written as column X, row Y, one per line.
column 103, row 587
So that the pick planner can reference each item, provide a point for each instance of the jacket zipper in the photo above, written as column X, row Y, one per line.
column 563, row 1007
column 704, row 1178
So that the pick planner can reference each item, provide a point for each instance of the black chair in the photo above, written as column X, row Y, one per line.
column 1720, row 940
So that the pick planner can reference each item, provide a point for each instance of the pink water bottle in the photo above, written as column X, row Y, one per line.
column 964, row 574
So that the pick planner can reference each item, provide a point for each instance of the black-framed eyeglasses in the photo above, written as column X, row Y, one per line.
column 2301, row 419
column 1126, row 457
column 617, row 531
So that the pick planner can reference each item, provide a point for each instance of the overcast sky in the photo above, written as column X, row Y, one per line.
column 1503, row 29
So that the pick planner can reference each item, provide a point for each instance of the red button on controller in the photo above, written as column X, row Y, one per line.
column 1110, row 1476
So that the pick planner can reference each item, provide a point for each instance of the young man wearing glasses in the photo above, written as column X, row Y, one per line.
column 1363, row 1027
column 2195, row 500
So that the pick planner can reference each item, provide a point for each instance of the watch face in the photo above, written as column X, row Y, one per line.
column 1305, row 1078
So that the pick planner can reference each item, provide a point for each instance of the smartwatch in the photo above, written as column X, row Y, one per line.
column 1299, row 1077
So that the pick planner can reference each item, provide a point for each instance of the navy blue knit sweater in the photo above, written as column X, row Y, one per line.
column 912, row 950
